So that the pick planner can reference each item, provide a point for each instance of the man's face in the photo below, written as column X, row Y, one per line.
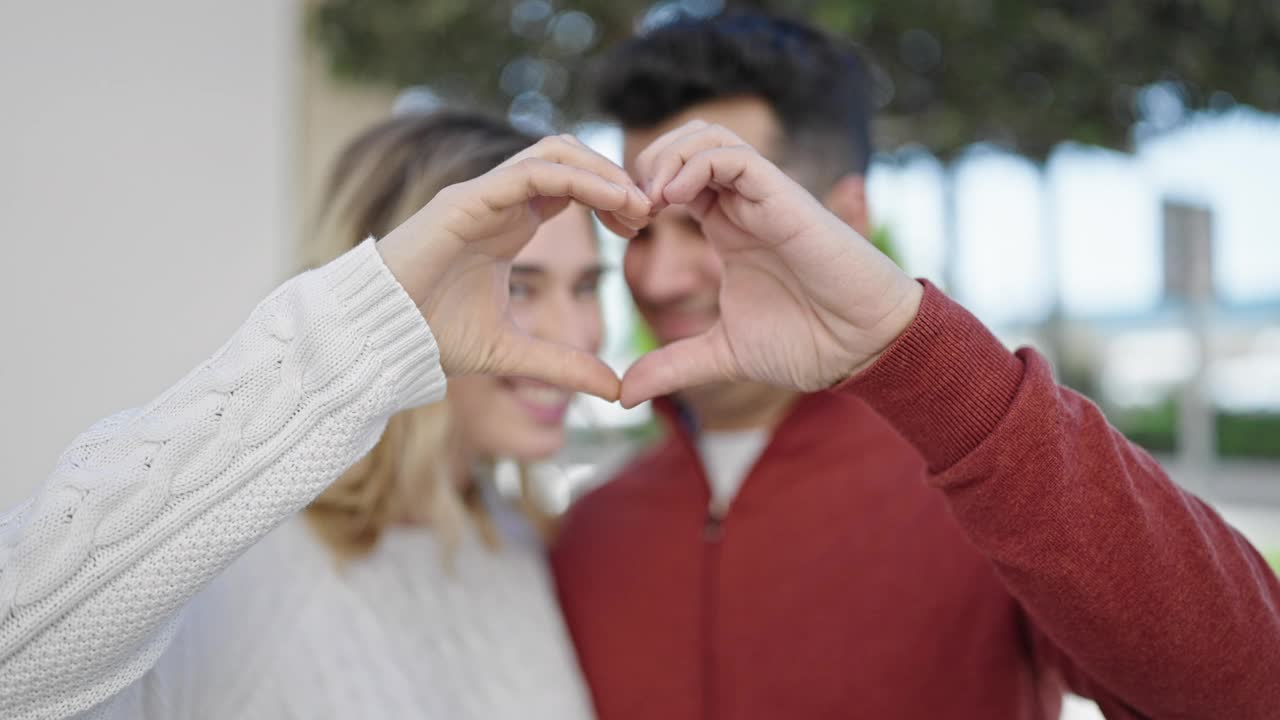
column 672, row 270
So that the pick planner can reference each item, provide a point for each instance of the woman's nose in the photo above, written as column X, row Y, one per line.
column 561, row 320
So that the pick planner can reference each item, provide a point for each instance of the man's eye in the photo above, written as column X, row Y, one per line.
column 587, row 288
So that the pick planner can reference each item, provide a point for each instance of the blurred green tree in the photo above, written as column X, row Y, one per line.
column 1022, row 74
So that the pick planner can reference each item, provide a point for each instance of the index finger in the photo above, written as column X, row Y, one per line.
column 568, row 150
column 644, row 161
column 529, row 178
column 672, row 151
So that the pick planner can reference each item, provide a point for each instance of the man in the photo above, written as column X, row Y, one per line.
column 945, row 533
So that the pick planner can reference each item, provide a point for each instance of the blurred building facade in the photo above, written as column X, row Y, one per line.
column 160, row 164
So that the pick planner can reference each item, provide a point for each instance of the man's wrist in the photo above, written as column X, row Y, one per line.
column 944, row 383
column 895, row 323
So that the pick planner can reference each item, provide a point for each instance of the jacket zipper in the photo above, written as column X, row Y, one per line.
column 712, row 533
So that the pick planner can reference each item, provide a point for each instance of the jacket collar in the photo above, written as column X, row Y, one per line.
column 816, row 424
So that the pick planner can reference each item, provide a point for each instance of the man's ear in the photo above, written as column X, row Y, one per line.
column 848, row 200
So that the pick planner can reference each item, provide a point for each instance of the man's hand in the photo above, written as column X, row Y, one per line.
column 805, row 302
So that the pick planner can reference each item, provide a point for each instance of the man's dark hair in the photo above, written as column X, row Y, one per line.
column 816, row 84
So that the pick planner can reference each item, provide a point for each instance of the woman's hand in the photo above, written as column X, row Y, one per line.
column 454, row 256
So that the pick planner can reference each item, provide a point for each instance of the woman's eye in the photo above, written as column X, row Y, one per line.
column 520, row 290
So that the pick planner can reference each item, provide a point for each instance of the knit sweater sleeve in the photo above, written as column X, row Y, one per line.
column 1138, row 593
column 147, row 506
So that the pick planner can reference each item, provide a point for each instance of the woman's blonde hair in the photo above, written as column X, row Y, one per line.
column 381, row 178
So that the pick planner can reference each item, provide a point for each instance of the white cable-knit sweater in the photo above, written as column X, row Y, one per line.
column 160, row 572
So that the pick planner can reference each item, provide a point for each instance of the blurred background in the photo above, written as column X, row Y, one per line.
column 1096, row 179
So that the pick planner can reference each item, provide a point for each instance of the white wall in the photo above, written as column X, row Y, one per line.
column 146, row 165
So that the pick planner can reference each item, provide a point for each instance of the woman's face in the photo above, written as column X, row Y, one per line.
column 553, row 297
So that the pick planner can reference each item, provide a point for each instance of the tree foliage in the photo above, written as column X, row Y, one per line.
column 1024, row 74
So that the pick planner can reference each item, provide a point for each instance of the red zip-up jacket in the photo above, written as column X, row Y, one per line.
column 948, row 535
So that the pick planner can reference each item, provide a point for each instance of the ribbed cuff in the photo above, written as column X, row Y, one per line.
column 944, row 384
column 379, row 309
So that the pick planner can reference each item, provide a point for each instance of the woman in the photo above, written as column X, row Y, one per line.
column 162, row 572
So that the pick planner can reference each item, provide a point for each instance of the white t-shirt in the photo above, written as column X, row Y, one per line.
column 728, row 457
